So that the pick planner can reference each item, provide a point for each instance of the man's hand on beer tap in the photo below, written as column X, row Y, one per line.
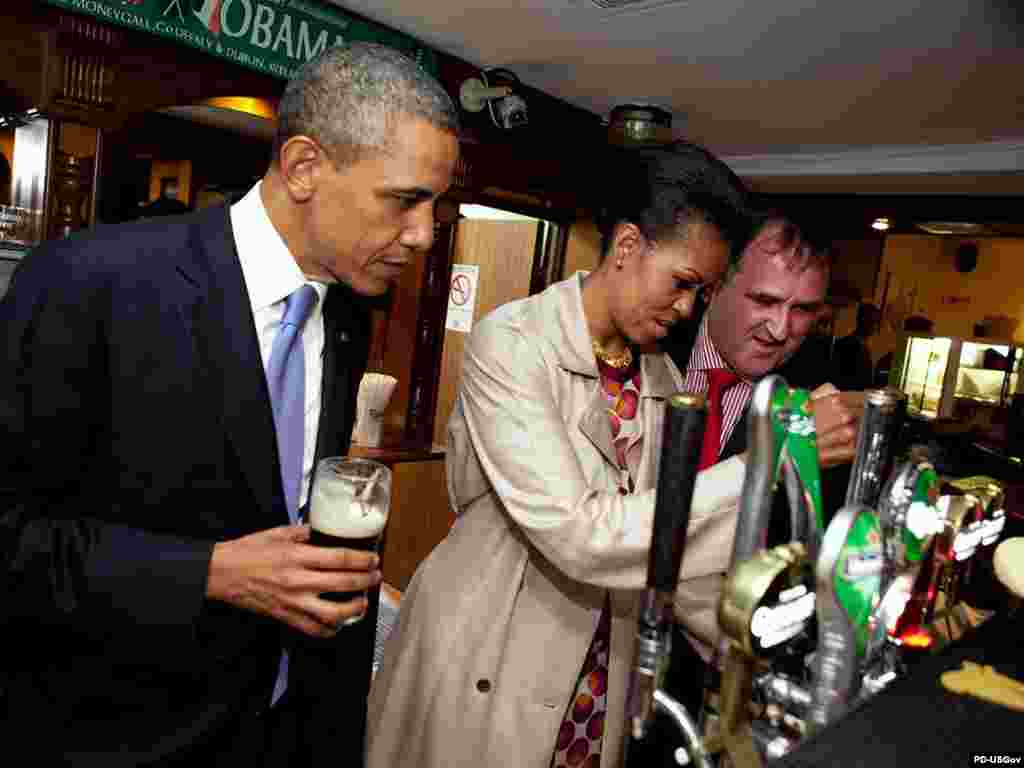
column 837, row 418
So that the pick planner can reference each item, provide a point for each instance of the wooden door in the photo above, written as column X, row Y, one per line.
column 504, row 253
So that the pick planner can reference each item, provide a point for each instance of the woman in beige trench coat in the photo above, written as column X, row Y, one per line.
column 496, row 623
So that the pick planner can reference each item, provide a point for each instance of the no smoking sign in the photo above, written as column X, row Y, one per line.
column 462, row 297
column 461, row 290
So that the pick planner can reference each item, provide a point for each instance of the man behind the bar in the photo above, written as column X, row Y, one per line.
column 755, row 324
column 161, row 604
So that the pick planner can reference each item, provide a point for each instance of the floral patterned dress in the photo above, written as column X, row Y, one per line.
column 580, row 736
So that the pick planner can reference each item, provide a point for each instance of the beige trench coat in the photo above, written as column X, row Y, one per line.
column 495, row 624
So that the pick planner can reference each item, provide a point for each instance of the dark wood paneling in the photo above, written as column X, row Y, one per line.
column 398, row 349
column 429, row 333
column 24, row 48
column 76, row 68
column 548, row 256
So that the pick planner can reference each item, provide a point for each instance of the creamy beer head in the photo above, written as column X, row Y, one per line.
column 349, row 509
column 336, row 511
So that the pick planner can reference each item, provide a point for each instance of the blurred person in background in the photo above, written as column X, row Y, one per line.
column 851, row 356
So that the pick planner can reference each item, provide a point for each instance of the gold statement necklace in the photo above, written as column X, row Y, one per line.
column 619, row 361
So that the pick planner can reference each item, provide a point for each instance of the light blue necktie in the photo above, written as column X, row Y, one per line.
column 286, row 379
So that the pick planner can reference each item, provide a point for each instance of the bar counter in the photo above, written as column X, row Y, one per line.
column 917, row 722
column 395, row 454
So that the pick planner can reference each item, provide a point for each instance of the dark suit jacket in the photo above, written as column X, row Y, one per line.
column 137, row 431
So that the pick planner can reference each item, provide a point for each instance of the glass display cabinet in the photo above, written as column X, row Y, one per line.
column 935, row 372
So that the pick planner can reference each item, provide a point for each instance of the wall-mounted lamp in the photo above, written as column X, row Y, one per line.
column 507, row 108
column 882, row 223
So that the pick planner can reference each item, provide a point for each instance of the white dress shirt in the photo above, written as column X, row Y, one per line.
column 271, row 276
column 703, row 358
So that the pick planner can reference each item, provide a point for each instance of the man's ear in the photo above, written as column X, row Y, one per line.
column 627, row 242
column 301, row 161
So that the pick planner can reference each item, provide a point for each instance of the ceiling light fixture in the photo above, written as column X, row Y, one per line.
column 636, row 124
column 882, row 223
column 963, row 228
column 619, row 6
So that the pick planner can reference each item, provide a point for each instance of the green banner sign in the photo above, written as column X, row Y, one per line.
column 271, row 36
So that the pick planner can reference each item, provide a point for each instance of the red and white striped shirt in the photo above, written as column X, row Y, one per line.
column 704, row 357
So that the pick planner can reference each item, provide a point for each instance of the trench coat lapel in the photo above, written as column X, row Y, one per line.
column 595, row 425
column 657, row 386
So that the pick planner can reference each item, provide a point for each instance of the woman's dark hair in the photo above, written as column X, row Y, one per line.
column 660, row 189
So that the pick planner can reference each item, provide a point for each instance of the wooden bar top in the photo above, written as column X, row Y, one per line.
column 396, row 454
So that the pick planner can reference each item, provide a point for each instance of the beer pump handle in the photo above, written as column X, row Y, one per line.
column 884, row 410
column 677, row 474
column 763, row 447
column 848, row 579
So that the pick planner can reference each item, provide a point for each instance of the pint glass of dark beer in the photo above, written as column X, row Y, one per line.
column 349, row 508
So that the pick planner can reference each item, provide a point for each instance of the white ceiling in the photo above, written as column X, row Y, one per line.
column 897, row 93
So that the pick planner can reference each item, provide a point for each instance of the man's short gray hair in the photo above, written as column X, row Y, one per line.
column 350, row 97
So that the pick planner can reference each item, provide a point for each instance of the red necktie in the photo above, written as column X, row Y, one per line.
column 719, row 380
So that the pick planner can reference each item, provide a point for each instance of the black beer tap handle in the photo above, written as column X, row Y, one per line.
column 677, row 474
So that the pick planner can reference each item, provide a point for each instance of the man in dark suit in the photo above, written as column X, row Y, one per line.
column 158, row 608
column 755, row 324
